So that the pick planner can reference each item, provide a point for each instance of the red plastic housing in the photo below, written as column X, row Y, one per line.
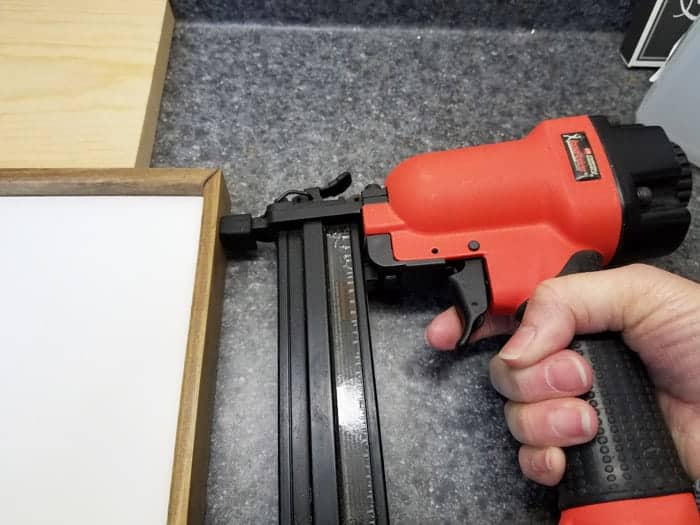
column 677, row 509
column 519, row 200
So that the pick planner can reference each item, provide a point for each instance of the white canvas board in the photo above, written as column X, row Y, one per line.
column 95, row 302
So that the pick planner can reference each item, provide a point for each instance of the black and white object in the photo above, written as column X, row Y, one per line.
column 655, row 28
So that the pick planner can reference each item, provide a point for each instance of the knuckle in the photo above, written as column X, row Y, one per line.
column 522, row 390
column 546, row 292
column 641, row 278
column 505, row 381
column 525, row 459
column 494, row 375
column 551, row 301
column 519, row 422
column 641, row 268
column 640, row 281
column 524, row 426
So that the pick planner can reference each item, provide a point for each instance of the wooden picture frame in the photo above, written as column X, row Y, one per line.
column 187, row 501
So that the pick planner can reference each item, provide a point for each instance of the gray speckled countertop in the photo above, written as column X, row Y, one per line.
column 288, row 107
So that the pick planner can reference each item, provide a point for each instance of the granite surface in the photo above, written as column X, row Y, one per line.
column 288, row 107
column 611, row 15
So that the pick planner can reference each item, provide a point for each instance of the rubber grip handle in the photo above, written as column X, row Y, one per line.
column 633, row 455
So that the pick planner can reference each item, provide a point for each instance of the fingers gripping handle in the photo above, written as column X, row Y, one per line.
column 633, row 455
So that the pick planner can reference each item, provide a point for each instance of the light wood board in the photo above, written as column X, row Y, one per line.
column 81, row 81
column 112, row 286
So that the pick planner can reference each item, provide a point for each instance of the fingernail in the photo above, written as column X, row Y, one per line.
column 570, row 423
column 548, row 458
column 522, row 337
column 541, row 462
column 565, row 375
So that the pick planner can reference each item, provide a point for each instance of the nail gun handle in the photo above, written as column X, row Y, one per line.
column 632, row 464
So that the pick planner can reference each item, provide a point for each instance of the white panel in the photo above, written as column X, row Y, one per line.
column 95, row 300
column 673, row 101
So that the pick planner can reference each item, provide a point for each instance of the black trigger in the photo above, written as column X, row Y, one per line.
column 469, row 289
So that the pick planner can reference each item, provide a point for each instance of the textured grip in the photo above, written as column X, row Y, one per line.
column 633, row 455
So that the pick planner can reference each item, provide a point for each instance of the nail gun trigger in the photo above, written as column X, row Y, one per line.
column 469, row 290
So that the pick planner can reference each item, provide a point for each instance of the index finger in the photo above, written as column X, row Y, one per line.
column 445, row 329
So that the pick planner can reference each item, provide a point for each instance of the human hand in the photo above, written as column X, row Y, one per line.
column 658, row 315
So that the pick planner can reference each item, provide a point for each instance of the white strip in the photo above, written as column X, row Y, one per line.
column 646, row 63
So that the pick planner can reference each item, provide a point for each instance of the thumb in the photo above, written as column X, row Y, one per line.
column 650, row 307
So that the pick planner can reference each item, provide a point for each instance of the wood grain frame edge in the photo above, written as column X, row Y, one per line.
column 108, row 181
column 190, row 466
